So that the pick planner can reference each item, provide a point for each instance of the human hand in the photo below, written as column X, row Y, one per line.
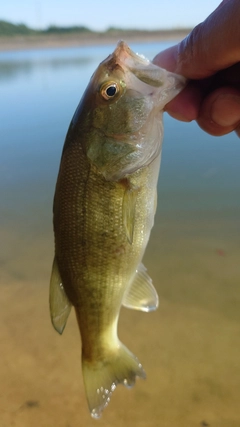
column 210, row 58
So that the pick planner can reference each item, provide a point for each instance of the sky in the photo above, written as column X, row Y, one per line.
column 102, row 14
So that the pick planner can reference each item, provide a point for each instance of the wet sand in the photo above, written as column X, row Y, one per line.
column 189, row 347
column 74, row 40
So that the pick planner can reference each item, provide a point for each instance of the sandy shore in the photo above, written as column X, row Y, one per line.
column 70, row 40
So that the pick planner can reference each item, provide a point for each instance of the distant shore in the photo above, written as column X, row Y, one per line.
column 73, row 40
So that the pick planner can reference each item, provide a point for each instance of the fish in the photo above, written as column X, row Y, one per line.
column 104, row 206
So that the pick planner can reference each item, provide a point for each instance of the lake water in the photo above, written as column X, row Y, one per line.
column 190, row 347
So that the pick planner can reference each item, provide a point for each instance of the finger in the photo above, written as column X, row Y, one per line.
column 167, row 58
column 237, row 130
column 186, row 105
column 204, row 52
column 220, row 111
column 222, row 3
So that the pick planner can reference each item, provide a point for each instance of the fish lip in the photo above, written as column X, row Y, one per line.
column 143, row 69
column 124, row 53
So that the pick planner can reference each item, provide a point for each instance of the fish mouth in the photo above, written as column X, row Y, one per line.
column 137, row 64
column 126, row 55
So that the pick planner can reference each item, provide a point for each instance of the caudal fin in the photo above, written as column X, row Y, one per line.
column 101, row 378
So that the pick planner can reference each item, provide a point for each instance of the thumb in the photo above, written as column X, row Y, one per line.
column 210, row 47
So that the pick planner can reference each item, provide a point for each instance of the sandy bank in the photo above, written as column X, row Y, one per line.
column 70, row 40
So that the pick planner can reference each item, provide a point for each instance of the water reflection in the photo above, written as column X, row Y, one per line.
column 9, row 70
column 13, row 63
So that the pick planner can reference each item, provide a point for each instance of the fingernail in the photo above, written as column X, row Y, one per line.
column 225, row 110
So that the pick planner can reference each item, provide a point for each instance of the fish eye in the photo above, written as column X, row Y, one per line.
column 109, row 90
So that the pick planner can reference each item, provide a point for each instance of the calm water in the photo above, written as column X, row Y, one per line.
column 193, row 255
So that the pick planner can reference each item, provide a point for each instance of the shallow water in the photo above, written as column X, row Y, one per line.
column 190, row 347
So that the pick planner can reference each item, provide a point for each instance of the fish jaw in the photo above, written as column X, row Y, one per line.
column 160, row 84
column 128, row 57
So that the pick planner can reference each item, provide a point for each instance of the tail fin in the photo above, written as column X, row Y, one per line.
column 102, row 377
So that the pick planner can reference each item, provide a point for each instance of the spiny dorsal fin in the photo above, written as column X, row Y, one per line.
column 60, row 305
column 141, row 295
column 128, row 211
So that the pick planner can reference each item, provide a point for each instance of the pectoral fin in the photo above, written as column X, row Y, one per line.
column 128, row 211
column 60, row 305
column 142, row 295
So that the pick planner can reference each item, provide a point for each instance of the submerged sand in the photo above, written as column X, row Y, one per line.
column 189, row 347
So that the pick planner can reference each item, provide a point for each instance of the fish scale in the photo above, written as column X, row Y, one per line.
column 104, row 207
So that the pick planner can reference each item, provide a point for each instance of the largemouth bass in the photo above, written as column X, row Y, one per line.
column 104, row 208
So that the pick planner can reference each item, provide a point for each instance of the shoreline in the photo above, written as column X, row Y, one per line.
column 17, row 43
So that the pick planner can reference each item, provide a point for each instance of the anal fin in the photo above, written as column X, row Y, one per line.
column 60, row 305
column 141, row 295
